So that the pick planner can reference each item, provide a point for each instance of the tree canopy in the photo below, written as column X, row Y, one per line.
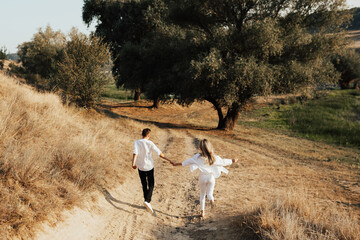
column 224, row 52
column 78, row 66
column 41, row 55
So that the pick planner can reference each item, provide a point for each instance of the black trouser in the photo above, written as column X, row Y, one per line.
column 147, row 181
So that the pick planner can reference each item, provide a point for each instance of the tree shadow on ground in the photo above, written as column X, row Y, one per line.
column 221, row 228
column 125, row 104
column 113, row 115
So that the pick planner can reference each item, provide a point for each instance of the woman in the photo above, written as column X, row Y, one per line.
column 210, row 167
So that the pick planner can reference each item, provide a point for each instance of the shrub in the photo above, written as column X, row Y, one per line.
column 3, row 54
column 1, row 64
column 41, row 55
column 348, row 64
column 85, row 69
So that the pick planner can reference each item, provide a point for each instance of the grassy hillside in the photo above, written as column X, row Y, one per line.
column 52, row 156
column 332, row 117
column 114, row 94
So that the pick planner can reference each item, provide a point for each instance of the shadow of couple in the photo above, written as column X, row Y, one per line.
column 109, row 198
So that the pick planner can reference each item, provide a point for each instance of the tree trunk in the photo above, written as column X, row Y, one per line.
column 229, row 122
column 218, row 109
column 156, row 103
column 137, row 94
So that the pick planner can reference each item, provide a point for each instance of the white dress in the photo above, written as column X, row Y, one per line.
column 199, row 162
column 207, row 174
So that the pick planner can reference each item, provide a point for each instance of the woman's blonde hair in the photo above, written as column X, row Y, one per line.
column 207, row 151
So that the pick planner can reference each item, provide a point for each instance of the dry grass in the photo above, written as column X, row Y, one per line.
column 51, row 156
column 296, row 215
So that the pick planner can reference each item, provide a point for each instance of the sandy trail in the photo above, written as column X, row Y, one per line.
column 265, row 170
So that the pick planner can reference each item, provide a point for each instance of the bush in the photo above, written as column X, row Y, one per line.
column 41, row 55
column 85, row 69
column 3, row 54
column 348, row 64
column 1, row 65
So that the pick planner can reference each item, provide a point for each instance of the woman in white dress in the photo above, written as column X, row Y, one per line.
column 210, row 167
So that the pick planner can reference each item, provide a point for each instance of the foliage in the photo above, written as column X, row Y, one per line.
column 41, row 55
column 146, row 59
column 248, row 48
column 3, row 54
column 348, row 64
column 224, row 52
column 120, row 22
column 84, row 70
column 1, row 64
column 355, row 22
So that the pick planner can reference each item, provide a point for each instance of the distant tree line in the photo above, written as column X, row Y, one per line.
column 355, row 21
column 76, row 66
column 224, row 52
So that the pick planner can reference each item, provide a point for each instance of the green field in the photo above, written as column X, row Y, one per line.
column 332, row 117
column 113, row 93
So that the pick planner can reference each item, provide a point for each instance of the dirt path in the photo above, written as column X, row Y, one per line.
column 264, row 171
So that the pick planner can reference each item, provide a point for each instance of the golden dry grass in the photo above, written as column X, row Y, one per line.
column 52, row 157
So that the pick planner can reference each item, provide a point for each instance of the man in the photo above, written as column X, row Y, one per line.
column 142, row 160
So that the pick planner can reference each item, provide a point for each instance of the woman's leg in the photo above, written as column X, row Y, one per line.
column 210, row 189
column 202, row 185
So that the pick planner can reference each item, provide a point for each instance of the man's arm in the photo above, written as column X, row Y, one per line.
column 133, row 161
column 163, row 157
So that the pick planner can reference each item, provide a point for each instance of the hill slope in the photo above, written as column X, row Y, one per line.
column 53, row 158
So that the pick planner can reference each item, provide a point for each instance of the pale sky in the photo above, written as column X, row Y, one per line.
column 21, row 19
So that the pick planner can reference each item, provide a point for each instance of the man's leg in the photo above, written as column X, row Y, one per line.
column 151, row 182
column 144, row 184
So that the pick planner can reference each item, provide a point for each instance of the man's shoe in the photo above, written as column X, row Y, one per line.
column 148, row 207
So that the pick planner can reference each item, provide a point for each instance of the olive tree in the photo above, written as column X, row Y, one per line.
column 84, row 70
column 241, row 49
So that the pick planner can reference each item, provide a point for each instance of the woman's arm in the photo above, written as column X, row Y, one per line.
column 187, row 161
column 224, row 162
column 177, row 164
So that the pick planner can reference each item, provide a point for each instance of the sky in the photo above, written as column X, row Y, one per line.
column 21, row 19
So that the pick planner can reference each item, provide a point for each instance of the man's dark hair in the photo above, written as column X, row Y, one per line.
column 146, row 132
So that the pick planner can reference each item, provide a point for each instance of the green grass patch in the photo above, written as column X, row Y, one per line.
column 113, row 93
column 332, row 118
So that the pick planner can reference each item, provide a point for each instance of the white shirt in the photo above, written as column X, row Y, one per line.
column 142, row 149
column 199, row 162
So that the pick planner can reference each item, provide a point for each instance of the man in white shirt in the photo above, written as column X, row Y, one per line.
column 142, row 160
